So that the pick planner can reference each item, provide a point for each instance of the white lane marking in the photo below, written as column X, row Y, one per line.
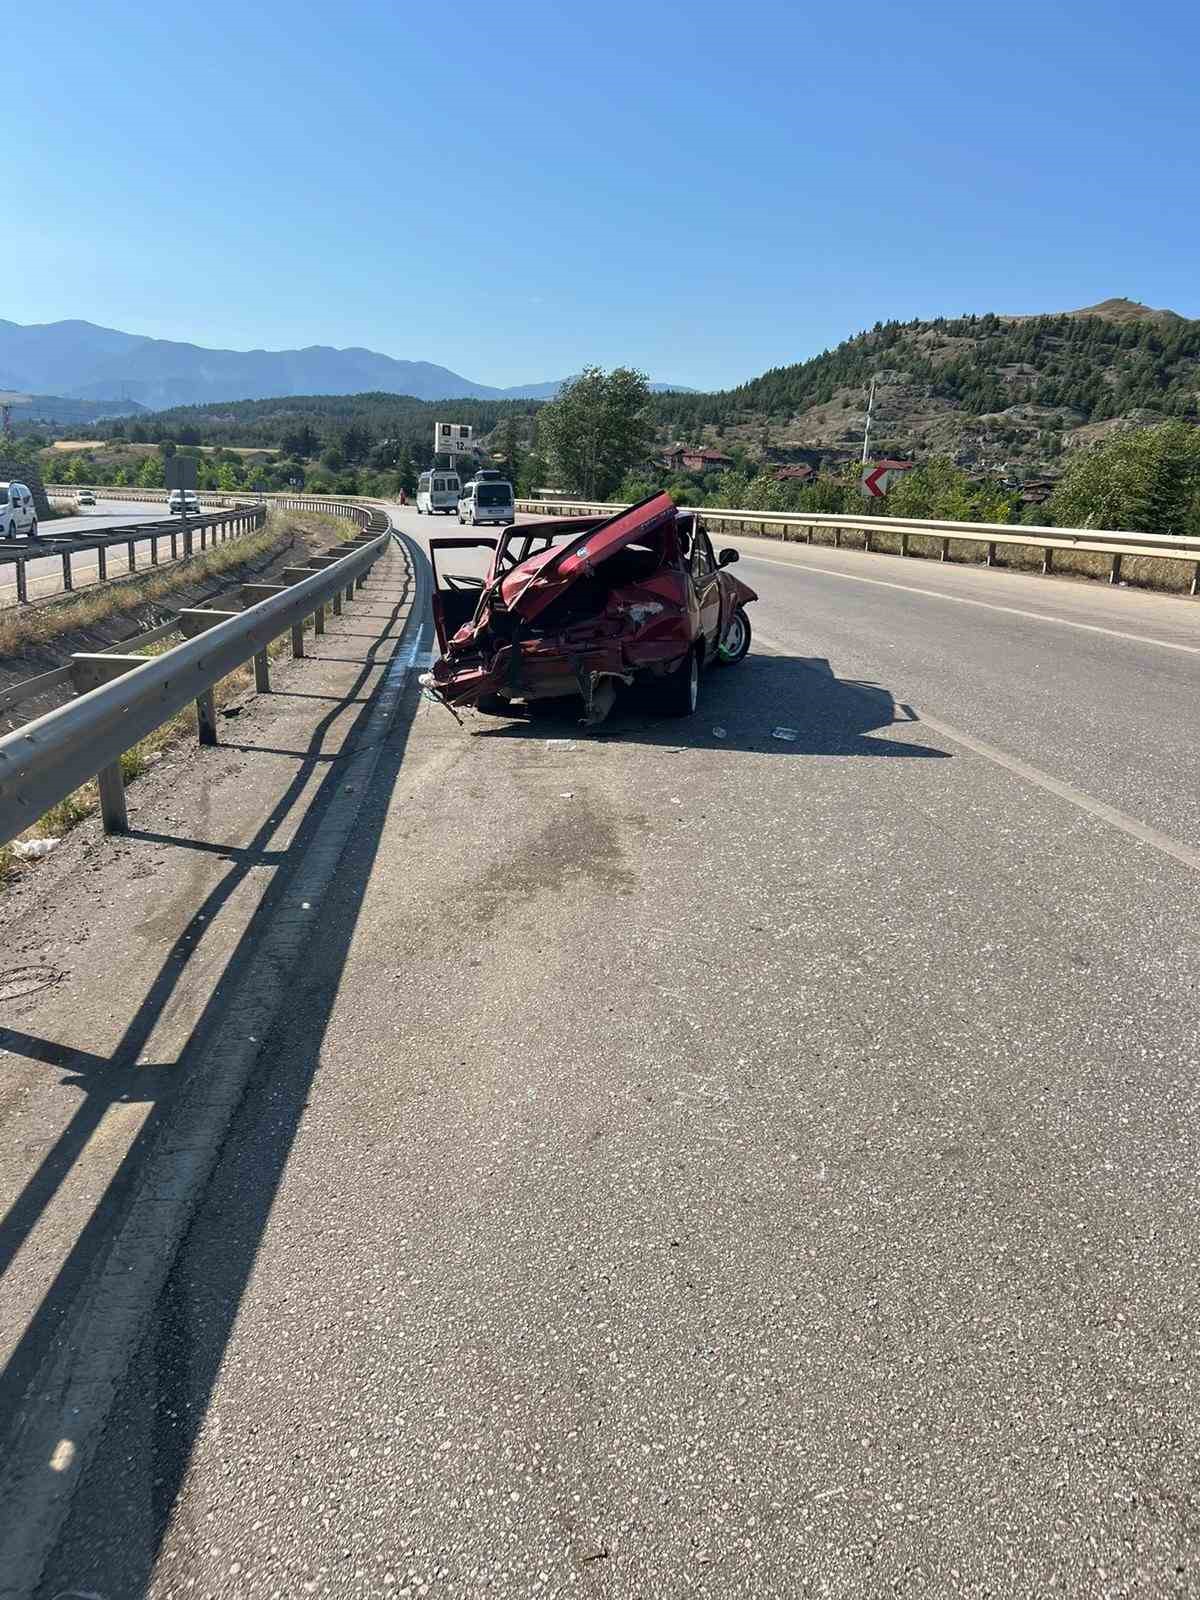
column 986, row 605
column 1142, row 831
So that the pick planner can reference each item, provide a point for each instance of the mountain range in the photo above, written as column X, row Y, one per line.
column 81, row 361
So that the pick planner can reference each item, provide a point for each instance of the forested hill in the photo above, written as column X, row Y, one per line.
column 1028, row 384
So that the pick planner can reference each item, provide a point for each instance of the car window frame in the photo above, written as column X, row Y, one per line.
column 701, row 547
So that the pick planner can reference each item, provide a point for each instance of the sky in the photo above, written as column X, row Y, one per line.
column 516, row 190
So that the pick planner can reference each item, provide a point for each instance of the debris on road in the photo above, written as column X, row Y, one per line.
column 719, row 733
column 32, row 849
column 788, row 735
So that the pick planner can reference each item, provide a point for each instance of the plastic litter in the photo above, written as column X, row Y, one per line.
column 560, row 744
column 718, row 733
column 675, row 800
column 567, row 794
column 33, row 849
column 788, row 735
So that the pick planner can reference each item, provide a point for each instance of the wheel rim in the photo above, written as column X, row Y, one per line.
column 735, row 638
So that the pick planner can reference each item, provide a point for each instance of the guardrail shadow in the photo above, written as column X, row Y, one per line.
column 828, row 715
column 114, row 1079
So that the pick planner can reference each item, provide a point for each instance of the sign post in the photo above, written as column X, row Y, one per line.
column 180, row 473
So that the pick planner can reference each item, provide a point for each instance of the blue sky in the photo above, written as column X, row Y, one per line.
column 513, row 190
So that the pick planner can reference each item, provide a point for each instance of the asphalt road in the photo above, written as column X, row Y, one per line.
column 45, row 576
column 699, row 1162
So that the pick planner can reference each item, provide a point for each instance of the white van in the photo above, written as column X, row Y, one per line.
column 487, row 498
column 437, row 492
column 18, row 514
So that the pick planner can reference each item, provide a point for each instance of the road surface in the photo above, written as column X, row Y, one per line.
column 691, row 1161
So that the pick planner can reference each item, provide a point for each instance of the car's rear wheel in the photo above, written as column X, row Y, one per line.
column 679, row 691
column 736, row 642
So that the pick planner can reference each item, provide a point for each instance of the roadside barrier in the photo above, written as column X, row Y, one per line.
column 799, row 526
column 185, row 534
column 122, row 698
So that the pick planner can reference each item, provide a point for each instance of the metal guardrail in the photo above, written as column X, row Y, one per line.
column 122, row 698
column 799, row 526
column 227, row 523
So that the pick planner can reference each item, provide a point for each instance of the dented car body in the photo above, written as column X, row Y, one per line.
column 576, row 606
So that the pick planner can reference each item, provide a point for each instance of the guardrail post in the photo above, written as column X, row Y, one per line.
column 174, row 546
column 191, row 622
column 89, row 672
column 1114, row 575
column 252, row 593
column 153, row 549
column 102, row 562
column 1195, row 588
column 991, row 555
column 132, row 556
column 66, row 566
column 187, row 541
column 903, row 544
column 866, row 539
column 945, row 555
column 22, row 586
column 1047, row 559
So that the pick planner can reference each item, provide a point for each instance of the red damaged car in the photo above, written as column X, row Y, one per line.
column 574, row 607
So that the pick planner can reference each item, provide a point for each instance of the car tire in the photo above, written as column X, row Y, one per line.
column 679, row 691
column 736, row 644
column 33, row 529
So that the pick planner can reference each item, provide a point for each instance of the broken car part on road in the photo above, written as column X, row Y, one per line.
column 573, row 607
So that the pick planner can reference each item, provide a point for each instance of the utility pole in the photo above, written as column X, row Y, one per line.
column 867, row 428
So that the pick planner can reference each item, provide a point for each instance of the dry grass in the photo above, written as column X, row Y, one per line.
column 85, row 801
column 39, row 624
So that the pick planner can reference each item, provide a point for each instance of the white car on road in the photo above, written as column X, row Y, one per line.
column 18, row 514
column 184, row 500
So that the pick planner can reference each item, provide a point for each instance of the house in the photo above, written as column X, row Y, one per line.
column 691, row 458
column 798, row 473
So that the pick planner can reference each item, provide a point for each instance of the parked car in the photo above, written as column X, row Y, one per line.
column 18, row 514
column 183, row 501
column 85, row 497
column 574, row 607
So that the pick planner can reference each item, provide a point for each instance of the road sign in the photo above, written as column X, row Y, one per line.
column 875, row 481
column 452, row 438
column 180, row 472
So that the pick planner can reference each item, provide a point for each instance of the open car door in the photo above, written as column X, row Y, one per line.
column 456, row 594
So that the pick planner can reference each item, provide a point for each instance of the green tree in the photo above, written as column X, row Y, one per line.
column 1146, row 480
column 596, row 430
column 229, row 476
column 150, row 474
column 406, row 473
column 510, row 449
column 301, row 440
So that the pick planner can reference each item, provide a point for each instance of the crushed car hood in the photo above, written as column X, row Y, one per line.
column 530, row 588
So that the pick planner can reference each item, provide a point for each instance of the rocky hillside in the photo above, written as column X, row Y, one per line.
column 1003, row 394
